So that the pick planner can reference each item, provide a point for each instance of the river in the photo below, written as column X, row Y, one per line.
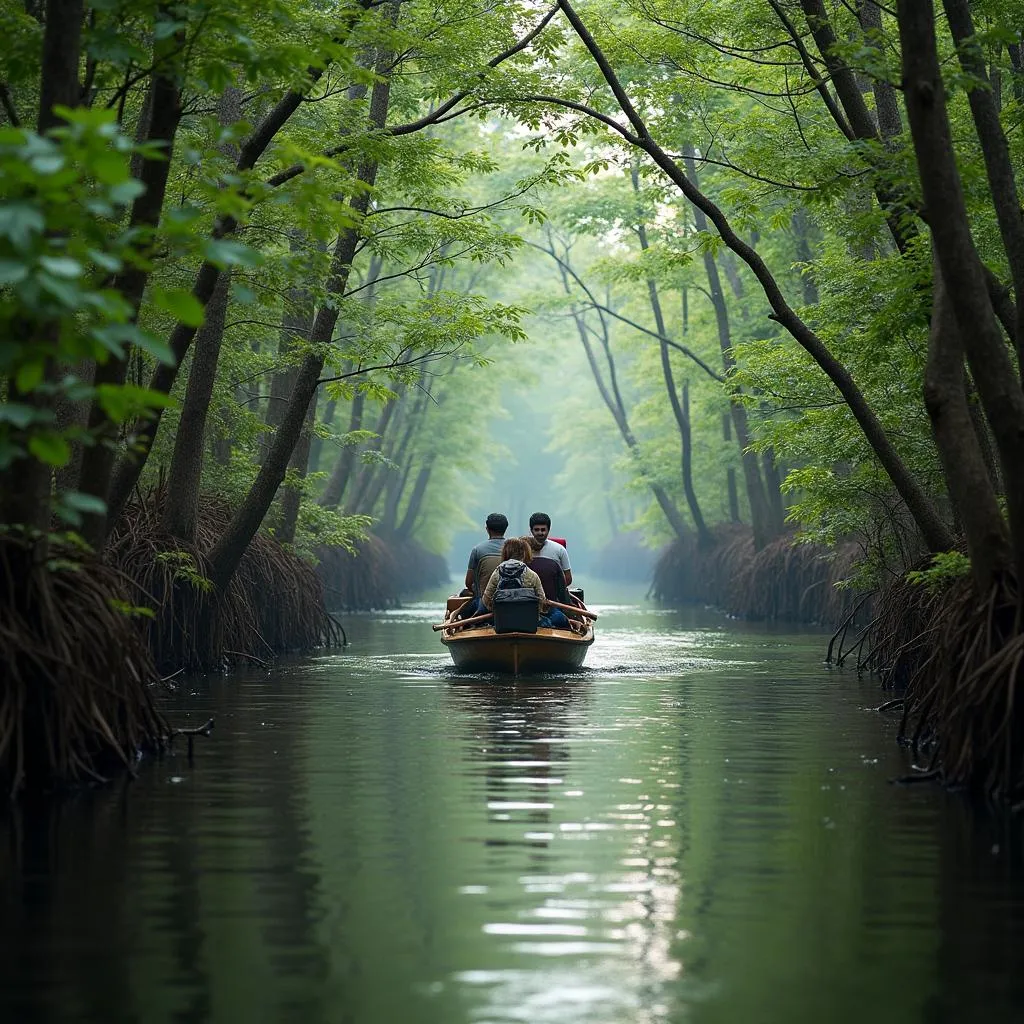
column 699, row 827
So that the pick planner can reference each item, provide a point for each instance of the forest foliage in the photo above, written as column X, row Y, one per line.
column 281, row 254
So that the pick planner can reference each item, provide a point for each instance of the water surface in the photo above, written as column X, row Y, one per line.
column 699, row 827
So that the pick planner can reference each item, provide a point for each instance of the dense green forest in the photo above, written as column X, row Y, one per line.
column 270, row 275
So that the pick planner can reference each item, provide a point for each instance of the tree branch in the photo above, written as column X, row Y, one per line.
column 625, row 319
column 934, row 530
column 395, row 363
column 8, row 105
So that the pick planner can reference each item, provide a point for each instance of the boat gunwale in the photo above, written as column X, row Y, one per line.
column 486, row 635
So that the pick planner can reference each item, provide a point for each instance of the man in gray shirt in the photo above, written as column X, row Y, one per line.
column 483, row 560
column 540, row 527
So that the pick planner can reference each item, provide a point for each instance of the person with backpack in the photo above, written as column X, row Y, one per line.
column 515, row 573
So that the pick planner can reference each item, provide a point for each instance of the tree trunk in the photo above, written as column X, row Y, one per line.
column 62, row 48
column 316, row 445
column 291, row 500
column 996, row 152
column 366, row 471
column 1017, row 63
column 296, row 323
column 616, row 407
column 25, row 485
column 730, row 473
column 393, row 501
column 372, row 477
column 802, row 233
column 759, row 517
column 396, row 484
column 961, row 268
column 887, row 107
column 129, row 467
column 893, row 199
column 184, row 478
column 773, row 492
column 681, row 416
column 970, row 488
column 415, row 506
column 231, row 546
column 703, row 533
column 337, row 482
column 165, row 115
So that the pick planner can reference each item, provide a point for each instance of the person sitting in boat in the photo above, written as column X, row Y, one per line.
column 483, row 560
column 543, row 547
column 550, row 561
column 515, row 572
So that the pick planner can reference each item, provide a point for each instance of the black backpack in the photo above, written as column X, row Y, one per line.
column 516, row 608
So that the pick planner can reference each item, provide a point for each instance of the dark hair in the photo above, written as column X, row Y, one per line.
column 496, row 523
column 516, row 547
column 540, row 519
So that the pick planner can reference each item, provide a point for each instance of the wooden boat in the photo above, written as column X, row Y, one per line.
column 479, row 649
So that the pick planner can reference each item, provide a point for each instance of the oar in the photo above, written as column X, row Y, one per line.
column 461, row 622
column 572, row 608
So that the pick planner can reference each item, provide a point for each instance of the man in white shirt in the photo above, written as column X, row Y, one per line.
column 540, row 527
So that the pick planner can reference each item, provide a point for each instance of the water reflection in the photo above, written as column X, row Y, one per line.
column 698, row 828
column 607, row 911
column 514, row 741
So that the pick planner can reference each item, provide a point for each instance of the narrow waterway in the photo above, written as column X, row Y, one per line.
column 699, row 827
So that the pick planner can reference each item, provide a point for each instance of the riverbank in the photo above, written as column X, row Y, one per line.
column 85, row 640
column 783, row 582
column 379, row 573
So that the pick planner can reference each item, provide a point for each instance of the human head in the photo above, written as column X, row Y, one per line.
column 540, row 526
column 516, row 547
column 496, row 524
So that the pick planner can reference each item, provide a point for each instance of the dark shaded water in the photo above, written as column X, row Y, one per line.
column 698, row 828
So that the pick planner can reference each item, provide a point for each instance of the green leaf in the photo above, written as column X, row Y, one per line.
column 11, row 272
column 50, row 448
column 88, row 503
column 48, row 163
column 105, row 261
column 124, row 401
column 19, row 222
column 65, row 293
column 61, row 266
column 29, row 376
column 9, row 452
column 110, row 168
column 222, row 253
column 181, row 304
column 165, row 28
column 156, row 347
column 125, row 192
column 20, row 415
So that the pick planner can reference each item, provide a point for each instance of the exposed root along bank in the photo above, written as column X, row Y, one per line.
column 74, row 691
column 273, row 605
column 379, row 574
column 784, row 580
column 959, row 661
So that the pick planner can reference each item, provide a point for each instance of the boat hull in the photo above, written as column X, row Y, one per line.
column 547, row 650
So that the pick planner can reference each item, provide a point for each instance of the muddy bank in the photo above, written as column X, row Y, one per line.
column 783, row 581
column 380, row 573
column 273, row 605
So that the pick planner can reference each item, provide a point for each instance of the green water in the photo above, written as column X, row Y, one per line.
column 699, row 827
